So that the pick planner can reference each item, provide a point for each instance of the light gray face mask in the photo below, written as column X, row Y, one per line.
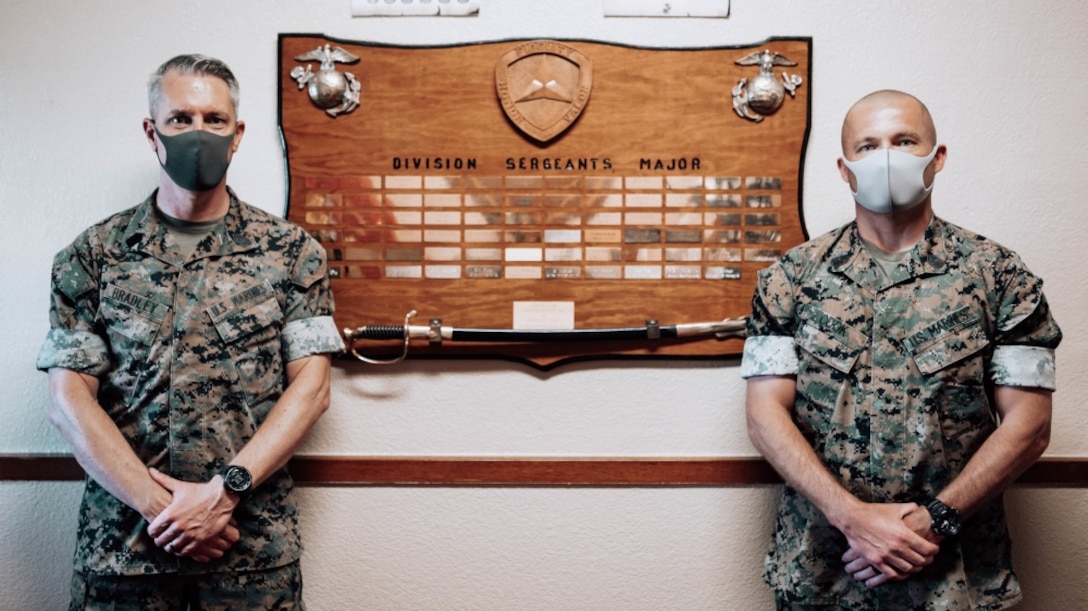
column 890, row 180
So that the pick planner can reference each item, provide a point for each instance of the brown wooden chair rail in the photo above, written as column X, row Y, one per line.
column 1069, row 472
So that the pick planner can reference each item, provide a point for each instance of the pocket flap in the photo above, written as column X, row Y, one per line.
column 245, row 312
column 131, row 314
column 950, row 348
column 828, row 348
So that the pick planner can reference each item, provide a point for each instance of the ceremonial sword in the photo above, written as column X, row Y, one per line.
column 435, row 333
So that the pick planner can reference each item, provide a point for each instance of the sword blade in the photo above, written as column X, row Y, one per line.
column 554, row 335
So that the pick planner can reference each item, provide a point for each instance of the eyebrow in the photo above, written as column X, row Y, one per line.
column 915, row 135
column 188, row 112
column 912, row 134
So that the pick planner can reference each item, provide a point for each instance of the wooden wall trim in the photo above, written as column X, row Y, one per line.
column 527, row 471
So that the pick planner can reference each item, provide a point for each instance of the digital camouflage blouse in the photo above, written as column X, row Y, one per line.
column 895, row 379
column 190, row 353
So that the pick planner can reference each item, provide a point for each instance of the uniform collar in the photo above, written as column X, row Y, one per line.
column 145, row 233
column 931, row 256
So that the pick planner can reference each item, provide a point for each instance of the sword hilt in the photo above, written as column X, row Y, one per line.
column 380, row 332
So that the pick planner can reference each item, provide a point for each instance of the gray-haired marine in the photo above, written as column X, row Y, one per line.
column 189, row 355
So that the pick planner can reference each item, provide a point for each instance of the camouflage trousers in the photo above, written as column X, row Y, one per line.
column 273, row 589
column 782, row 603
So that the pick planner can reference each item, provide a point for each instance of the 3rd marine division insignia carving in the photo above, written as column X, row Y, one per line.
column 543, row 86
column 765, row 93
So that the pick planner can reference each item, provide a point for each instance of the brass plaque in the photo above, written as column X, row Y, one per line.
column 634, row 183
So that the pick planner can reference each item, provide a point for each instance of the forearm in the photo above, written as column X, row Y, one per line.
column 877, row 534
column 1020, row 439
column 776, row 436
column 290, row 420
column 98, row 445
column 197, row 521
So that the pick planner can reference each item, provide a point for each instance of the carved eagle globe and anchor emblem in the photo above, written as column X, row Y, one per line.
column 333, row 91
column 764, row 94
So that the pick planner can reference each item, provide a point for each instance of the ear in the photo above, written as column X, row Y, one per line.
column 149, row 133
column 239, row 129
column 939, row 158
column 935, row 166
column 847, row 176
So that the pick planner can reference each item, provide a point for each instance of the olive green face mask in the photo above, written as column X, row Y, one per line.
column 196, row 160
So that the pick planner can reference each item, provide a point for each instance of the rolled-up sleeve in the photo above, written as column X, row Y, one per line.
column 769, row 355
column 1027, row 333
column 73, row 340
column 1027, row 366
column 770, row 348
column 307, row 336
column 77, row 350
column 309, row 327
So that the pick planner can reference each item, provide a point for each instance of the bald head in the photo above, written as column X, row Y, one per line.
column 882, row 100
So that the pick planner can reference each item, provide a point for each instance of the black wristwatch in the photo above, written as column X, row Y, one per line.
column 237, row 479
column 946, row 521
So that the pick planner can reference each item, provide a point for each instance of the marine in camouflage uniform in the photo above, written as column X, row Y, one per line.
column 894, row 381
column 190, row 350
column 895, row 384
column 191, row 355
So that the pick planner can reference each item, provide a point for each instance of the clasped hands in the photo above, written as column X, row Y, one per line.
column 889, row 542
column 198, row 521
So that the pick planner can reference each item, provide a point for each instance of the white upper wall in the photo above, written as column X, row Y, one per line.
column 1001, row 79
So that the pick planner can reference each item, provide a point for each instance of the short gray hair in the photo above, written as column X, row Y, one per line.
column 192, row 63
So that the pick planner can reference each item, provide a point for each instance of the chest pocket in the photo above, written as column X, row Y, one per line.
column 249, row 324
column 133, row 323
column 828, row 356
column 947, row 352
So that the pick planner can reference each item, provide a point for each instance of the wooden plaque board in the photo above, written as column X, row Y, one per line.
column 655, row 201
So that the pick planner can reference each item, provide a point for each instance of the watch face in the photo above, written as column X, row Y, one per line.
column 237, row 479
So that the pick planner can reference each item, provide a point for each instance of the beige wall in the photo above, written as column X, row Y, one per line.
column 1005, row 81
